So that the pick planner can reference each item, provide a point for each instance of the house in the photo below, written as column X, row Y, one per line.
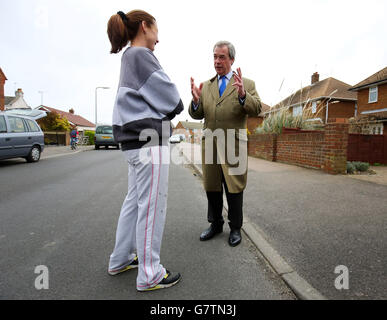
column 3, row 78
column 81, row 123
column 321, row 100
column 16, row 102
column 254, row 122
column 193, row 131
column 63, row 138
column 372, row 103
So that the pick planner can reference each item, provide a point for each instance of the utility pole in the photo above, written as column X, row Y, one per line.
column 41, row 97
column 96, row 102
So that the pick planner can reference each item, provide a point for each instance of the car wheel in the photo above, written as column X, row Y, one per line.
column 96, row 147
column 34, row 155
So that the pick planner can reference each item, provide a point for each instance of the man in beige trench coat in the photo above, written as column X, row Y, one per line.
column 224, row 102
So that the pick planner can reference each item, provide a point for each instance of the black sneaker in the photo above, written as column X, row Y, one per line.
column 168, row 281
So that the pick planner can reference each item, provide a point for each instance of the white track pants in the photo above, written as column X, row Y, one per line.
column 142, row 218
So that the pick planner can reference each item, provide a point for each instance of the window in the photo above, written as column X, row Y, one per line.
column 16, row 124
column 105, row 130
column 376, row 129
column 314, row 107
column 373, row 95
column 3, row 126
column 33, row 126
column 297, row 111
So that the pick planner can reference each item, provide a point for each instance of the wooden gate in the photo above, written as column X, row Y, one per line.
column 367, row 148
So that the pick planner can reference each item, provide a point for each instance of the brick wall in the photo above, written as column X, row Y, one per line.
column 325, row 150
column 342, row 109
column 362, row 99
column 304, row 149
column 335, row 147
column 2, row 82
column 262, row 146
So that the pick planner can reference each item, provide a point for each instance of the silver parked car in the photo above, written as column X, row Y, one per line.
column 104, row 137
column 20, row 136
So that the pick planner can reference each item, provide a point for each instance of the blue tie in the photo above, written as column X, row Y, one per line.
column 222, row 85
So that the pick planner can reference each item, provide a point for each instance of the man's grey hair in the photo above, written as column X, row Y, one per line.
column 229, row 45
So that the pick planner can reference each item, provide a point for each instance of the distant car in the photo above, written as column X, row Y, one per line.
column 104, row 137
column 175, row 139
column 20, row 137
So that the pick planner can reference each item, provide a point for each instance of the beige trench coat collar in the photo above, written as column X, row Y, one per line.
column 214, row 89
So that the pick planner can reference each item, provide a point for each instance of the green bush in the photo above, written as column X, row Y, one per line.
column 362, row 166
column 350, row 167
column 91, row 135
column 276, row 121
column 357, row 166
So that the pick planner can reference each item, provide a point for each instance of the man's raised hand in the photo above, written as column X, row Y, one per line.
column 238, row 83
column 196, row 92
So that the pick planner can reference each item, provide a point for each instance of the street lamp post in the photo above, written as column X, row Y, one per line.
column 96, row 102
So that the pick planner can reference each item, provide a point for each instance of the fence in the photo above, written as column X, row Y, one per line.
column 367, row 148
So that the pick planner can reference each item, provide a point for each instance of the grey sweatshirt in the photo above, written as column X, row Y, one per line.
column 146, row 98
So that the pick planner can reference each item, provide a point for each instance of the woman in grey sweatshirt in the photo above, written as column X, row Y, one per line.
column 146, row 102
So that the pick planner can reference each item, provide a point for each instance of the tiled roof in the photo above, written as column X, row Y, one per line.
column 265, row 108
column 73, row 118
column 377, row 116
column 329, row 87
column 374, row 79
column 8, row 100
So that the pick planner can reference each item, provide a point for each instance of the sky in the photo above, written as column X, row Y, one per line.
column 61, row 48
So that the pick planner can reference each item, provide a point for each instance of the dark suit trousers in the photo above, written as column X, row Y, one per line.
column 235, row 204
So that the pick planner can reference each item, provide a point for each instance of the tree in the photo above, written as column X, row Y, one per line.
column 54, row 122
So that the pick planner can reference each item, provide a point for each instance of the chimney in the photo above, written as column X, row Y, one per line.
column 71, row 111
column 19, row 93
column 315, row 77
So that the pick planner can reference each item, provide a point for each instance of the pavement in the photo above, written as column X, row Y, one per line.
column 380, row 176
column 63, row 214
column 309, row 224
column 58, row 151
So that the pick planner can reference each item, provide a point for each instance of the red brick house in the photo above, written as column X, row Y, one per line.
column 63, row 138
column 321, row 100
column 254, row 122
column 3, row 78
column 193, row 131
column 75, row 120
column 372, row 103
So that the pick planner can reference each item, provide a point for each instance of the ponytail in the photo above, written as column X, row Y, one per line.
column 123, row 28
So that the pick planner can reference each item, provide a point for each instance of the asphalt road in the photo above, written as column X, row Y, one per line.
column 62, row 213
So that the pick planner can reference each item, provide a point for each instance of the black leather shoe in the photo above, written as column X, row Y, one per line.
column 235, row 238
column 211, row 232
